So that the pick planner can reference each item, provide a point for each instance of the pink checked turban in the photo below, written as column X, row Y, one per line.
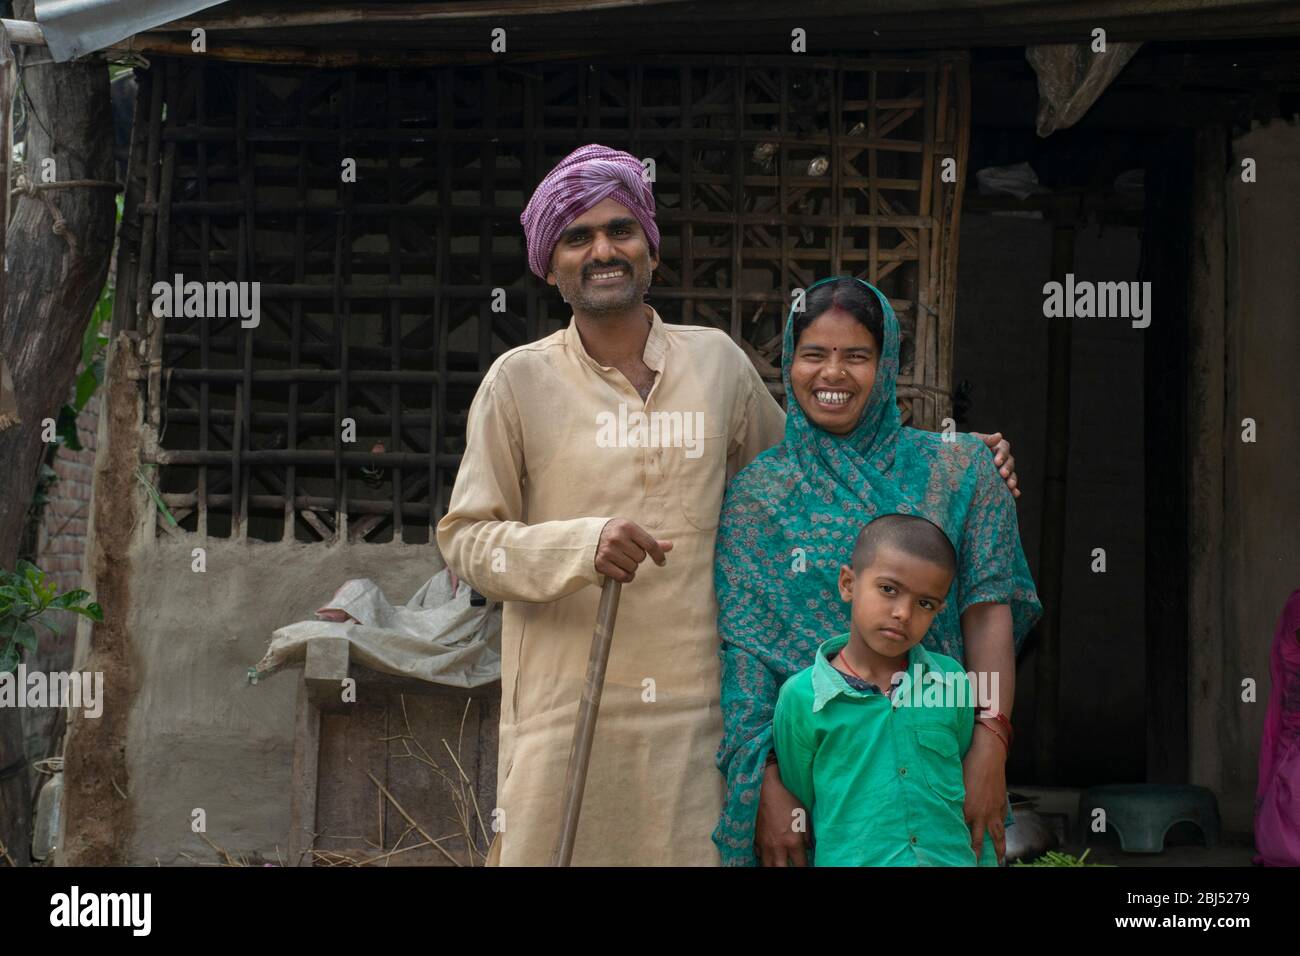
column 581, row 180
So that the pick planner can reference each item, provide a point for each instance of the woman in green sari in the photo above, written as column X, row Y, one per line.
column 789, row 521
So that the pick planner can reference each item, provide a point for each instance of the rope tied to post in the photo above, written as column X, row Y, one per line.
column 25, row 186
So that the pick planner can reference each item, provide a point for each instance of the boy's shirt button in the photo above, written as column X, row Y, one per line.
column 914, row 839
column 903, row 771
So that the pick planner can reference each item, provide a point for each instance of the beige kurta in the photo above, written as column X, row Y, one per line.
column 550, row 458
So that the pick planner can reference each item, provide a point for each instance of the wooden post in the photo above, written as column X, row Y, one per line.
column 59, row 243
column 8, row 397
column 1206, row 431
column 1168, row 237
column 302, row 790
column 325, row 669
column 1047, row 669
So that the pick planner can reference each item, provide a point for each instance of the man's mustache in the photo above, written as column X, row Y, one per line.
column 626, row 267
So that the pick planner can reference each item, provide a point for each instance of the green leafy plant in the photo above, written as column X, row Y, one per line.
column 93, row 345
column 1053, row 858
column 157, row 498
column 25, row 594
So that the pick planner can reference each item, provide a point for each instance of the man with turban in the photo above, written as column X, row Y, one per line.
column 586, row 452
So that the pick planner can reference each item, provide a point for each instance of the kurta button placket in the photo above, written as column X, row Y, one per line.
column 654, row 472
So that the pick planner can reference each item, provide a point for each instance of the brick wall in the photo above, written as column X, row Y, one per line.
column 60, row 551
column 62, row 540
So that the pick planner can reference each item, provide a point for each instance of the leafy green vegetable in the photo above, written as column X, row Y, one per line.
column 1053, row 858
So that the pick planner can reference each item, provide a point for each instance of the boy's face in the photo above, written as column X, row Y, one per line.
column 895, row 598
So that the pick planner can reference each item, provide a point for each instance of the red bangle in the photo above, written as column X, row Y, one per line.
column 1006, row 722
column 999, row 736
column 1001, row 718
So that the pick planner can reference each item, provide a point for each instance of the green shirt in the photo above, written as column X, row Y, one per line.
column 880, row 776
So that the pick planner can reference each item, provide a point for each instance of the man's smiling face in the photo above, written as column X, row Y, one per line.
column 602, row 263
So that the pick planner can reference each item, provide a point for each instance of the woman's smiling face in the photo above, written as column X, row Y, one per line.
column 833, row 369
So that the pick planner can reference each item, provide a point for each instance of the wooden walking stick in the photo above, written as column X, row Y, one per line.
column 584, row 731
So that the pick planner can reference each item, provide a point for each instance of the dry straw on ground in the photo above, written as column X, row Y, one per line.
column 468, row 817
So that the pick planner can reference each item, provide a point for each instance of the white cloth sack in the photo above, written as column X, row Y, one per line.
column 1019, row 180
column 437, row 636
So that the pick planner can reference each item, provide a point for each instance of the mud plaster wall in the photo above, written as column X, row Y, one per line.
column 1262, row 480
column 199, row 735
column 96, row 812
column 181, row 726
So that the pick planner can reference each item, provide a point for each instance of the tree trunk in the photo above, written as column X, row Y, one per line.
column 52, row 284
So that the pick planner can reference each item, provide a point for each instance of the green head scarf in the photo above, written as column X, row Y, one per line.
column 789, row 521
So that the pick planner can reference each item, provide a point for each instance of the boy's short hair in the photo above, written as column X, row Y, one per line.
column 910, row 534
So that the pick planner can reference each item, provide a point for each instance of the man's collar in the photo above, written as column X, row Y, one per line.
column 656, row 343
column 828, row 683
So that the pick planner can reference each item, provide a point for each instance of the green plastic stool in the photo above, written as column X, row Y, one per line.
column 1142, row 813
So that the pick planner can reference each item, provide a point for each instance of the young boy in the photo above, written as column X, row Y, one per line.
column 880, row 772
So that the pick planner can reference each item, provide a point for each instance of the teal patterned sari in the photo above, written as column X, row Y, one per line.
column 789, row 521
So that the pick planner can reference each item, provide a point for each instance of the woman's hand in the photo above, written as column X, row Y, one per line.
column 1002, row 458
column 775, row 840
column 984, row 771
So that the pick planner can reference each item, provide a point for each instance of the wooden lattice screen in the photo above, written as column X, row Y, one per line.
column 376, row 295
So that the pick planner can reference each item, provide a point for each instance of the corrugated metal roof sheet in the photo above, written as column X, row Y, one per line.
column 387, row 32
column 76, row 27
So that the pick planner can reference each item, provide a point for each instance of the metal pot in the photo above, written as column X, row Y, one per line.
column 1028, row 837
